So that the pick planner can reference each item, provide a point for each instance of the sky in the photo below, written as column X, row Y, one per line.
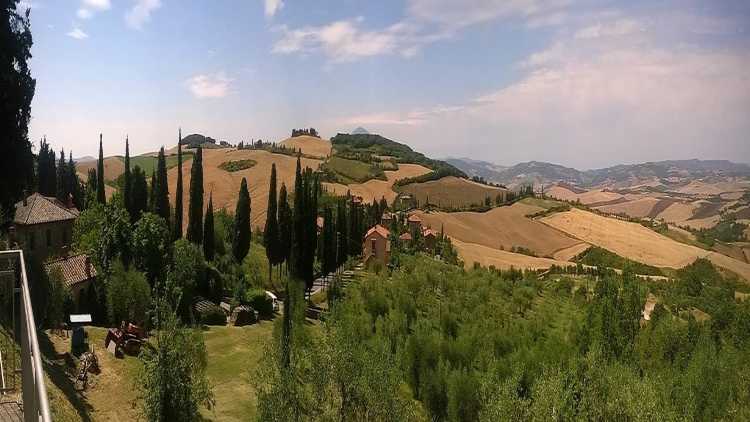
column 581, row 83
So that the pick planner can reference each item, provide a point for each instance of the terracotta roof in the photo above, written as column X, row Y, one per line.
column 387, row 216
column 414, row 219
column 379, row 230
column 42, row 209
column 405, row 236
column 429, row 232
column 73, row 268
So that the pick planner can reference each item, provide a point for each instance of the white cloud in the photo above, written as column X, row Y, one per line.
column 84, row 13
column 78, row 34
column 209, row 85
column 140, row 13
column 273, row 6
column 470, row 12
column 97, row 4
column 611, row 29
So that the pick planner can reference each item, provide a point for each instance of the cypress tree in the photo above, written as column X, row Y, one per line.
column 127, row 186
column 195, row 208
column 161, row 194
column 41, row 170
column 46, row 169
column 178, row 209
column 328, row 259
column 61, row 188
column 342, row 240
column 74, row 184
column 241, row 237
column 286, row 226
column 100, row 196
column 140, row 192
column 208, row 231
column 152, row 192
column 91, row 188
column 271, row 231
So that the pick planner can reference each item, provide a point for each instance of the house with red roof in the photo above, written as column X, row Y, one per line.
column 376, row 246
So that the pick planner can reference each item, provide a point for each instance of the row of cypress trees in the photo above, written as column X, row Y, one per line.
column 57, row 177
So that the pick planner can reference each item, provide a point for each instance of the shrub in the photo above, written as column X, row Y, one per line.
column 258, row 300
column 237, row 165
column 212, row 316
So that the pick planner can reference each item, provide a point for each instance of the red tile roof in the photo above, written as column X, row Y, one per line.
column 379, row 230
column 42, row 209
column 73, row 268
column 414, row 219
column 405, row 236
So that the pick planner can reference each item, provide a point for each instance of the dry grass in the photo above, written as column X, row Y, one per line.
column 376, row 189
column 571, row 252
column 453, row 192
column 588, row 197
column 677, row 212
column 504, row 227
column 638, row 208
column 226, row 186
column 113, row 167
column 486, row 256
column 310, row 145
column 636, row 242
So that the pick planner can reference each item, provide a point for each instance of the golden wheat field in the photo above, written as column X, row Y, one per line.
column 452, row 191
column 310, row 145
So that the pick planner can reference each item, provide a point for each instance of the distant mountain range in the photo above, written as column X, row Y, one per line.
column 660, row 172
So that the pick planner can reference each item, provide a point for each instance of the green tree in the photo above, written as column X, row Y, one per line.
column 185, row 275
column 152, row 192
column 127, row 184
column 46, row 170
column 74, row 183
column 178, row 207
column 100, row 195
column 140, row 192
column 61, row 190
column 16, row 92
column 173, row 382
column 241, row 236
column 195, row 209
column 60, row 302
column 151, row 246
column 285, row 225
column 161, row 194
column 271, row 231
column 128, row 295
column 342, row 238
column 209, row 238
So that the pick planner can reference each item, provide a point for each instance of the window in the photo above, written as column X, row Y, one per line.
column 373, row 246
column 49, row 237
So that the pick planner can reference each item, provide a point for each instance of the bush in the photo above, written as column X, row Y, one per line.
column 237, row 165
column 258, row 300
column 212, row 316
column 128, row 295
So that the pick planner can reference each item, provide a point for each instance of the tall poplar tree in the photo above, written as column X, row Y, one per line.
column 208, row 231
column 100, row 196
column 161, row 194
column 241, row 236
column 178, row 208
column 127, row 183
column 195, row 208
column 271, row 231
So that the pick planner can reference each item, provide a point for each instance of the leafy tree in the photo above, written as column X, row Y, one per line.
column 161, row 188
column 195, row 209
column 178, row 208
column 173, row 382
column 100, row 195
column 16, row 92
column 241, row 236
column 271, row 232
column 128, row 295
column 60, row 302
column 209, row 238
column 151, row 246
column 185, row 276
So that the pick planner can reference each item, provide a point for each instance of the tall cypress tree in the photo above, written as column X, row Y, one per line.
column 100, row 196
column 74, row 183
column 178, row 208
column 152, row 192
column 140, row 192
column 208, row 231
column 61, row 190
column 296, row 255
column 91, row 188
column 271, row 231
column 161, row 196
column 342, row 240
column 127, row 183
column 286, row 225
column 241, row 236
column 195, row 208
column 328, row 258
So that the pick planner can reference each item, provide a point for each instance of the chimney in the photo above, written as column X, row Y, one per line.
column 69, row 202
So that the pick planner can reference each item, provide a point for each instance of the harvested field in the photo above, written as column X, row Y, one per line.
column 729, row 250
column 310, row 145
column 706, row 209
column 376, row 189
column 677, row 212
column 226, row 186
column 696, row 187
column 571, row 252
column 113, row 167
column 703, row 223
column 501, row 227
column 586, row 198
column 453, row 191
column 486, row 256
column 638, row 208
column 636, row 242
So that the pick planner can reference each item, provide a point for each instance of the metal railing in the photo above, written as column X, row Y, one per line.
column 34, row 391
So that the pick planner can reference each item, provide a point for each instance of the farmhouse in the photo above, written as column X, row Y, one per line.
column 415, row 223
column 430, row 238
column 78, row 273
column 377, row 246
column 43, row 225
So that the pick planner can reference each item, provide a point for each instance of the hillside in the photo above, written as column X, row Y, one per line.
column 453, row 192
column 309, row 145
column 375, row 189
column 477, row 168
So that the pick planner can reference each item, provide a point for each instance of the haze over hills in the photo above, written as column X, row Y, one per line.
column 624, row 175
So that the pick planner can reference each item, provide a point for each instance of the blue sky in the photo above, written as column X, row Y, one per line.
column 581, row 83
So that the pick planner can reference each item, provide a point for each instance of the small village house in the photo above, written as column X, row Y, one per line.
column 430, row 238
column 43, row 226
column 386, row 219
column 415, row 223
column 377, row 246
column 78, row 273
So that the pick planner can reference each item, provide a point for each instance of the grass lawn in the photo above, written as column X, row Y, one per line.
column 233, row 355
column 148, row 163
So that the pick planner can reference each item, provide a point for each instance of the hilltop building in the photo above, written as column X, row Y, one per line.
column 377, row 246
